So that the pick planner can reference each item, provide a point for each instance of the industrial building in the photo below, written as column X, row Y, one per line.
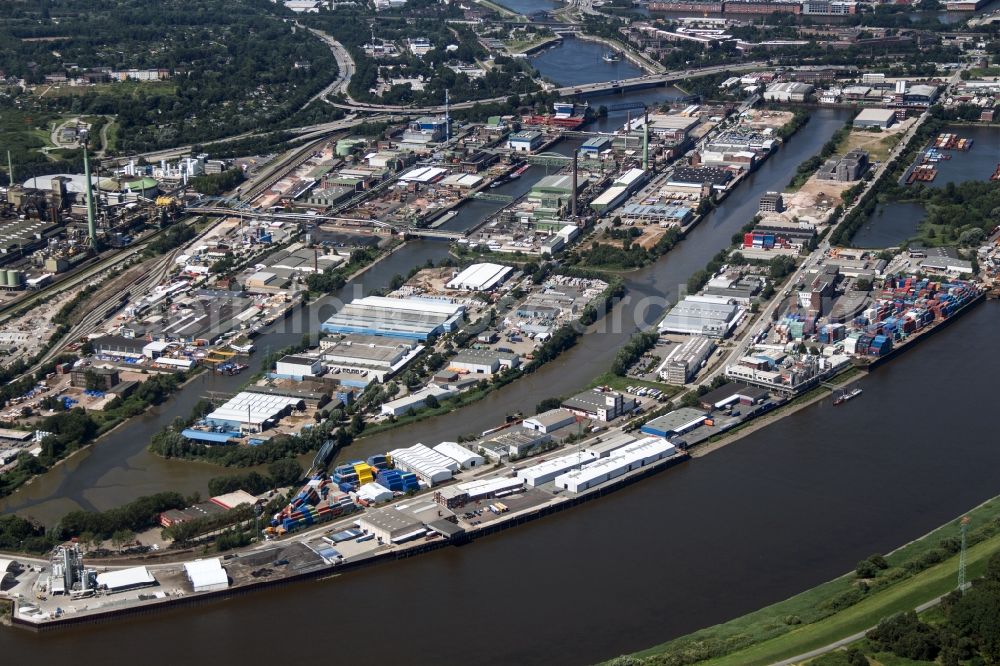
column 771, row 202
column 483, row 361
column 882, row 118
column 416, row 400
column 512, row 443
column 550, row 421
column 390, row 525
column 297, row 366
column 525, row 141
column 428, row 464
column 357, row 360
column 610, row 199
column 125, row 579
column 845, row 169
column 594, row 146
column 607, row 443
column 374, row 493
column 674, row 423
column 685, row 360
column 716, row 177
column 920, row 94
column 788, row 92
column 464, row 457
column 480, row 277
column 412, row 318
column 731, row 393
column 628, row 458
column 599, row 405
column 710, row 316
column 483, row 489
column 541, row 473
column 671, row 127
column 252, row 411
column 207, row 575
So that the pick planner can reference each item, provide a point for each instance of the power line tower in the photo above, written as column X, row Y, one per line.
column 961, row 558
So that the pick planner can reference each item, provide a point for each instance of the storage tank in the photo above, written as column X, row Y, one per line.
column 13, row 278
column 3, row 279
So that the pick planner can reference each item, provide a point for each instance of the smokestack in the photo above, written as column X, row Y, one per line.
column 573, row 200
column 91, row 227
column 645, row 143
column 10, row 169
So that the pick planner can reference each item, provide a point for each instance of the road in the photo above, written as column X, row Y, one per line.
column 345, row 68
column 853, row 638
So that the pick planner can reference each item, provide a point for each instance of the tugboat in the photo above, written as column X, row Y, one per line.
column 844, row 397
column 611, row 56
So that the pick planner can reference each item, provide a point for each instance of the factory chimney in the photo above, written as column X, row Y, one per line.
column 10, row 170
column 645, row 143
column 573, row 200
column 447, row 117
column 91, row 226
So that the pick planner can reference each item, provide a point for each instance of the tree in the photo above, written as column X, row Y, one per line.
column 122, row 537
column 284, row 472
column 431, row 402
column 547, row 404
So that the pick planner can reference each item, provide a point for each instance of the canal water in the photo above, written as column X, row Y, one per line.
column 893, row 223
column 890, row 225
column 783, row 509
column 978, row 163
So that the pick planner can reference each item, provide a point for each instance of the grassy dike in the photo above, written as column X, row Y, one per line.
column 919, row 572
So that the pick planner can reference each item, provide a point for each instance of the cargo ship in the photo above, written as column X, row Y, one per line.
column 511, row 177
column 844, row 397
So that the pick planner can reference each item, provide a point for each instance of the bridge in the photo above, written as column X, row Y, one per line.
column 578, row 92
column 548, row 159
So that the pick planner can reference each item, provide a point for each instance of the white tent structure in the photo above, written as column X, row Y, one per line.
column 207, row 575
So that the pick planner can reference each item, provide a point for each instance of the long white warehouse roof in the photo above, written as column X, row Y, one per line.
column 459, row 453
column 550, row 469
column 123, row 578
column 424, row 460
column 648, row 449
column 413, row 304
column 478, row 277
column 487, row 486
column 252, row 408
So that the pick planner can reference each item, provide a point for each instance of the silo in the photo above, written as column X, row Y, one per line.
column 3, row 278
column 13, row 278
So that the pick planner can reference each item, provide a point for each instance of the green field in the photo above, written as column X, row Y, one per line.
column 907, row 595
column 918, row 572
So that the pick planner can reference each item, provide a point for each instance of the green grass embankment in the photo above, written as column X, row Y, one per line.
column 918, row 572
column 906, row 595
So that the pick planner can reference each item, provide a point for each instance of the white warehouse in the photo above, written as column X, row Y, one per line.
column 463, row 456
column 544, row 472
column 480, row 277
column 425, row 462
column 628, row 458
